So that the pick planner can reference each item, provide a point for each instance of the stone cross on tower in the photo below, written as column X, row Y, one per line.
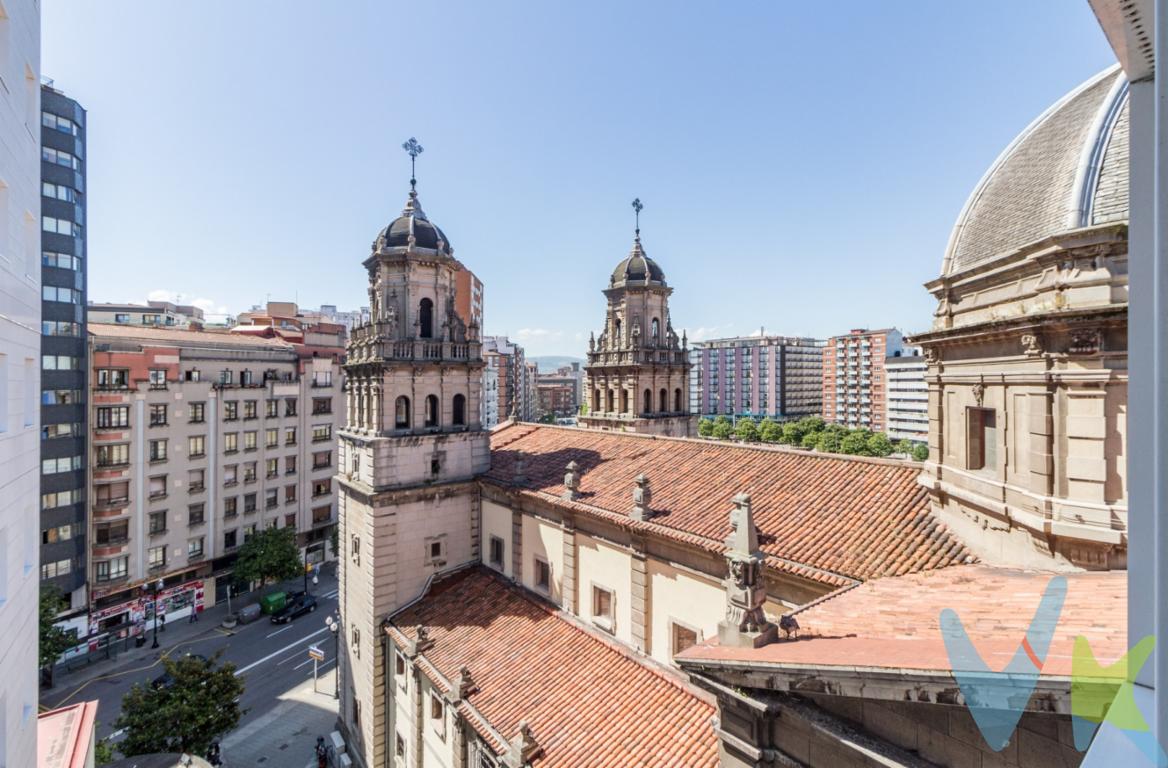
column 637, row 207
column 413, row 148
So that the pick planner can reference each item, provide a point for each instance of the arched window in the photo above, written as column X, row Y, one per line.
column 610, row 402
column 617, row 323
column 401, row 413
column 624, row 401
column 677, row 400
column 656, row 329
column 647, row 402
column 431, row 410
column 459, row 409
column 426, row 318
column 663, row 400
column 597, row 404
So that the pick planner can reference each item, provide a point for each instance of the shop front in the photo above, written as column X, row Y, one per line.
column 130, row 613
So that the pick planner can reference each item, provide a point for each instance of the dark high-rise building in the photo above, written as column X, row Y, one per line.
column 63, row 345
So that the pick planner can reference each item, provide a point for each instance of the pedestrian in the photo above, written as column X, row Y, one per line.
column 162, row 622
column 321, row 753
column 213, row 755
column 194, row 615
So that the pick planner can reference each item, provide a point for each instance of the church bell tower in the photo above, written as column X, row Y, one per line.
column 637, row 376
column 408, row 454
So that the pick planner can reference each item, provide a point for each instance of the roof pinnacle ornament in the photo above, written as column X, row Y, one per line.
column 638, row 207
column 413, row 148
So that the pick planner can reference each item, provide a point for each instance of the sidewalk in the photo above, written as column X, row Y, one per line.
column 286, row 735
column 177, row 633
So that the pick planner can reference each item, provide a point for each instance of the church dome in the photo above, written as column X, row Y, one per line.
column 1067, row 170
column 413, row 222
column 637, row 267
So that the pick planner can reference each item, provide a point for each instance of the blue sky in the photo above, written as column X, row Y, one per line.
column 800, row 164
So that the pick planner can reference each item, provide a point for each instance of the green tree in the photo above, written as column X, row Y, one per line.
column 705, row 427
column 810, row 440
column 879, row 445
column 722, row 429
column 811, row 424
column 722, row 419
column 103, row 753
column 828, row 441
column 905, row 447
column 793, row 433
column 747, row 430
column 770, row 431
column 855, row 443
column 269, row 555
column 54, row 641
column 920, row 452
column 199, row 705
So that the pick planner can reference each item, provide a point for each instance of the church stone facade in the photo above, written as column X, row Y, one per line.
column 1028, row 351
column 637, row 376
column 408, row 453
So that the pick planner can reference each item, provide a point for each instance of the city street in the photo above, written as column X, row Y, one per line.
column 272, row 659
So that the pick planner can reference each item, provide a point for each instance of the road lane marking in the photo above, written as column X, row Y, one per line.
column 285, row 649
column 330, row 595
column 278, row 631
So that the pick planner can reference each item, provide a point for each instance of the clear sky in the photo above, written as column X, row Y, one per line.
column 801, row 164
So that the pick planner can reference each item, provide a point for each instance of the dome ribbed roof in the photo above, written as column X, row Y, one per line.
column 637, row 267
column 413, row 221
column 1067, row 170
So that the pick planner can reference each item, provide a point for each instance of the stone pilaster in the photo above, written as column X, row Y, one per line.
column 1041, row 428
column 569, row 590
column 418, row 747
column 639, row 589
column 517, row 546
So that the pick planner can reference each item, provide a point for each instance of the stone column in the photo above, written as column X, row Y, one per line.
column 375, row 408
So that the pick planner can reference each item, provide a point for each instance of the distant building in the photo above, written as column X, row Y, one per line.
column 854, row 385
column 468, row 299
column 908, row 396
column 489, row 409
column 530, row 405
column 285, row 320
column 20, row 371
column 558, row 393
column 199, row 440
column 329, row 313
column 509, row 364
column 64, row 427
column 779, row 377
column 157, row 314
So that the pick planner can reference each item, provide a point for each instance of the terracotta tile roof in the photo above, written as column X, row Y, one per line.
column 894, row 623
column 588, row 700
column 817, row 515
column 184, row 337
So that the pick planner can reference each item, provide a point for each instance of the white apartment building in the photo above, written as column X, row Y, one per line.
column 20, row 328
column 199, row 439
column 908, row 396
column 490, row 403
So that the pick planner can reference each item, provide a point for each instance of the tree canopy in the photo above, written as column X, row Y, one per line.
column 746, row 430
column 722, row 429
column 269, row 555
column 199, row 704
column 920, row 452
column 54, row 641
column 705, row 427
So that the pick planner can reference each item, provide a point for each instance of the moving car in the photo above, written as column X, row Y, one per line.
column 297, row 606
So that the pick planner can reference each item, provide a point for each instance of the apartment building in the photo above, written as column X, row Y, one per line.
column 558, row 393
column 509, row 365
column 855, row 388
column 199, row 439
column 164, row 314
column 908, row 396
column 63, row 344
column 779, row 377
column 20, row 379
column 468, row 297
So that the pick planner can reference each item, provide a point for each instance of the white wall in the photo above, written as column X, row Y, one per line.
column 683, row 597
column 20, row 316
column 497, row 522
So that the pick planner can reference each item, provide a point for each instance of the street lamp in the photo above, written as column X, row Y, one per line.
column 155, row 589
column 335, row 627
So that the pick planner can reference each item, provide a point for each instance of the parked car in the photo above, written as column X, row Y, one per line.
column 165, row 680
column 296, row 607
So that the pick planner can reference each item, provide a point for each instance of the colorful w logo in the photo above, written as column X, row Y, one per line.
column 1098, row 694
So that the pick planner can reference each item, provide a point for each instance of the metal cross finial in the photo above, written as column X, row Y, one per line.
column 414, row 149
column 638, row 207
